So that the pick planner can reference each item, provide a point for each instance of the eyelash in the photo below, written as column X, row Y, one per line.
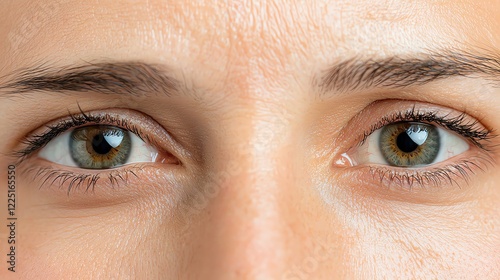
column 76, row 180
column 35, row 142
column 458, row 124
column 471, row 130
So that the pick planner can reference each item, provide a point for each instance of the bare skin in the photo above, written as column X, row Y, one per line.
column 253, row 184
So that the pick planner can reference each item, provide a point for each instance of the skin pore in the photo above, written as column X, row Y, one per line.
column 256, row 110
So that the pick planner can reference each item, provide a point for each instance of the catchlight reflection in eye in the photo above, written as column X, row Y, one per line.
column 406, row 144
column 98, row 147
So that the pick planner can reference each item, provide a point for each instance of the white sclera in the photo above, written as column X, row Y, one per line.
column 370, row 152
column 58, row 149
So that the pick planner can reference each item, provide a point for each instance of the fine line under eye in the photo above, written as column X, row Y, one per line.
column 421, row 144
column 126, row 151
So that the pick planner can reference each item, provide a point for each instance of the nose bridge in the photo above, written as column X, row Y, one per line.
column 255, row 228
column 247, row 225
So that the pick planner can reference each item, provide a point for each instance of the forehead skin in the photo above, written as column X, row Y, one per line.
column 264, row 54
column 233, row 44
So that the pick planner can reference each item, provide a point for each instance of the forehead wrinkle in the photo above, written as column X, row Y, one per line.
column 273, row 35
column 266, row 36
column 234, row 43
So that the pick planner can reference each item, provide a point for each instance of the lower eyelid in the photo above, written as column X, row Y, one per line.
column 446, row 180
column 125, row 185
column 110, row 182
column 65, row 178
column 444, row 183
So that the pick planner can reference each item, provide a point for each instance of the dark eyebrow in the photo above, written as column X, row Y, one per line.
column 399, row 72
column 133, row 78
column 137, row 78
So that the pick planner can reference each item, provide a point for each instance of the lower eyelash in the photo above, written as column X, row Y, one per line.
column 74, row 181
column 436, row 177
column 86, row 180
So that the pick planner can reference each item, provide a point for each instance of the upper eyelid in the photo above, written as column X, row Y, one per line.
column 36, row 140
column 168, row 151
column 481, row 134
column 455, row 171
column 456, row 124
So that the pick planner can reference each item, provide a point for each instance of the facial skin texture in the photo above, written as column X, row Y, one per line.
column 257, row 195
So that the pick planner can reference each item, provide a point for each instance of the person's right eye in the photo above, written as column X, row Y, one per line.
column 98, row 147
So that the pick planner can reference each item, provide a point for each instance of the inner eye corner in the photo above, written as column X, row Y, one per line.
column 414, row 138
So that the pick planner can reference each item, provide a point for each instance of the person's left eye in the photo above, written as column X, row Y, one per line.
column 409, row 144
column 406, row 144
column 98, row 147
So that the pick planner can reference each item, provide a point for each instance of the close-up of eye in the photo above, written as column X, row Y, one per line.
column 98, row 147
column 409, row 144
column 96, row 150
column 424, row 145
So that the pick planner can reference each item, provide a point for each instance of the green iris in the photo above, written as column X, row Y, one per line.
column 100, row 147
column 409, row 143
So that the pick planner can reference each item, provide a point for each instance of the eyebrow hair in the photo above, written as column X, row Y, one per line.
column 133, row 78
column 138, row 78
column 399, row 72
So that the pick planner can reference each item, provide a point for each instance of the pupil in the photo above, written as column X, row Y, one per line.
column 100, row 145
column 405, row 143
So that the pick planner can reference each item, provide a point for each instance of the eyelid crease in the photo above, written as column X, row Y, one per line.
column 136, row 123
column 35, row 142
column 425, row 179
column 471, row 130
column 444, row 184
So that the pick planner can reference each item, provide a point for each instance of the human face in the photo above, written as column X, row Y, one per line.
column 262, row 127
